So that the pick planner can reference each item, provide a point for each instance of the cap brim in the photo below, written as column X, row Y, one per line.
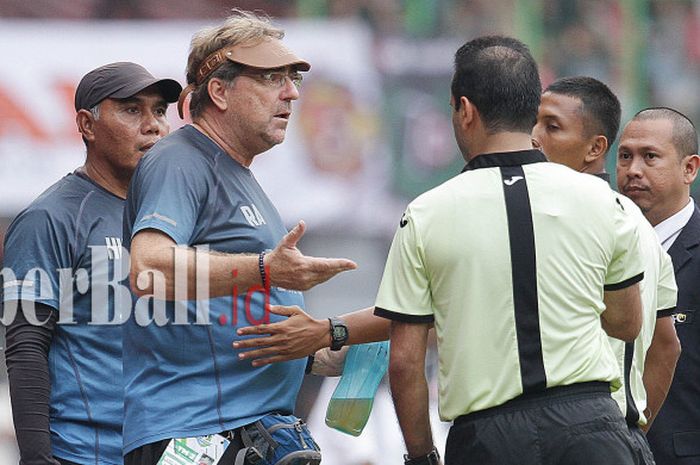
column 169, row 88
column 267, row 54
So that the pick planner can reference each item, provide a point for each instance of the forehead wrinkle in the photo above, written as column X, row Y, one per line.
column 642, row 144
column 655, row 136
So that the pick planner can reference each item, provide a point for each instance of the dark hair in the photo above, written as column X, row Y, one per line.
column 685, row 136
column 499, row 76
column 600, row 106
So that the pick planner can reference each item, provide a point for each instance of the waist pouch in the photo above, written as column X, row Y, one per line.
column 277, row 440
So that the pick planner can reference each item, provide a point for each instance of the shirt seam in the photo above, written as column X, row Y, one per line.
column 83, row 395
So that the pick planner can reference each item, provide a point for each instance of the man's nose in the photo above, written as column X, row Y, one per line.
column 151, row 124
column 290, row 90
column 635, row 168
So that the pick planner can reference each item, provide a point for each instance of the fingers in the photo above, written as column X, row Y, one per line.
column 266, row 361
column 259, row 353
column 271, row 328
column 284, row 310
column 290, row 269
column 340, row 264
column 253, row 342
column 267, row 355
column 292, row 237
column 257, row 330
column 323, row 269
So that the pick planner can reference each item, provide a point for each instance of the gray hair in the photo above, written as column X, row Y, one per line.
column 242, row 27
column 96, row 111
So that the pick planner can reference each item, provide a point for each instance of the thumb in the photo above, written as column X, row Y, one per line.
column 292, row 237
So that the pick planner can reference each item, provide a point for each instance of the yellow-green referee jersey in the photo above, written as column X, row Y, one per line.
column 509, row 259
column 659, row 294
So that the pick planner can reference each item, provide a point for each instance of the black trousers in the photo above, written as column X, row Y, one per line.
column 641, row 446
column 569, row 425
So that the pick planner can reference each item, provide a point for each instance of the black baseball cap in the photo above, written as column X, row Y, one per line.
column 120, row 80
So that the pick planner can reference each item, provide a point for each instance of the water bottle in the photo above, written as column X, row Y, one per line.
column 351, row 403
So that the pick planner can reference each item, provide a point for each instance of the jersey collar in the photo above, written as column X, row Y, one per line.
column 516, row 158
column 83, row 175
column 604, row 176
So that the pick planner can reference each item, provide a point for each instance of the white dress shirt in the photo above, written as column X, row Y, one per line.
column 669, row 229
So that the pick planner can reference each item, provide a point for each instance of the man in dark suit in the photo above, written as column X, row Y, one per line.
column 656, row 165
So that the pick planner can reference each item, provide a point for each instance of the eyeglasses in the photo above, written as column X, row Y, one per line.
column 276, row 79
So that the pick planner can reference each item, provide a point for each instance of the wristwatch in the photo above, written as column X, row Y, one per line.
column 339, row 333
column 432, row 458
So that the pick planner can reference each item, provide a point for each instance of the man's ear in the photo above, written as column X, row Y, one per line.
column 690, row 163
column 467, row 112
column 217, row 93
column 86, row 124
column 597, row 149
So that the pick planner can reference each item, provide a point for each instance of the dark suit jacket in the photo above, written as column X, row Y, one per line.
column 675, row 434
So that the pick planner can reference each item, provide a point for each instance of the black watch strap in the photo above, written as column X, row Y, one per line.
column 309, row 364
column 431, row 458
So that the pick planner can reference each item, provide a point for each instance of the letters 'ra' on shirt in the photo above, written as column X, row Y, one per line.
column 185, row 380
column 510, row 260
column 76, row 226
column 659, row 294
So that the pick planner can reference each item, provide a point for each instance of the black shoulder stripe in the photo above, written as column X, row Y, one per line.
column 665, row 312
column 402, row 317
column 625, row 283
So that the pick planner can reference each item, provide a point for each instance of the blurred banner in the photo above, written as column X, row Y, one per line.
column 332, row 171
column 417, row 76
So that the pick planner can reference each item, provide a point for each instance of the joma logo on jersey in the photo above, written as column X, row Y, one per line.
column 512, row 180
column 252, row 215
column 114, row 247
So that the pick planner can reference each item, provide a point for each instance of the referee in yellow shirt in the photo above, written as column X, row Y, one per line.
column 577, row 123
column 518, row 263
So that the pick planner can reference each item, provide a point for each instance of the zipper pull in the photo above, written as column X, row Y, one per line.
column 300, row 431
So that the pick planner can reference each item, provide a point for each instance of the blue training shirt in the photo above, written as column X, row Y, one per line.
column 57, row 232
column 186, row 380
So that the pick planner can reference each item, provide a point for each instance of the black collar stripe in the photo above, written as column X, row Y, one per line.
column 524, row 274
column 503, row 159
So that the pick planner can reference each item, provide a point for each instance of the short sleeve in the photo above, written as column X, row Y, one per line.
column 167, row 194
column 667, row 291
column 404, row 292
column 37, row 246
column 626, row 266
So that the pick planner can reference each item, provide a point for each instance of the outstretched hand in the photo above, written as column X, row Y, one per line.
column 296, row 337
column 290, row 269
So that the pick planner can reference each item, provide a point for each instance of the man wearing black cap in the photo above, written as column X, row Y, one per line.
column 195, row 189
column 64, row 344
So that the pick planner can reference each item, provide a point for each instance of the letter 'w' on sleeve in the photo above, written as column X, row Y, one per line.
column 404, row 293
column 626, row 267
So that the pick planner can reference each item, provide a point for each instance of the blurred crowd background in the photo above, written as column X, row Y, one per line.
column 372, row 128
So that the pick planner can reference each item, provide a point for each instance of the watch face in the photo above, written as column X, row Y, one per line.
column 339, row 332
